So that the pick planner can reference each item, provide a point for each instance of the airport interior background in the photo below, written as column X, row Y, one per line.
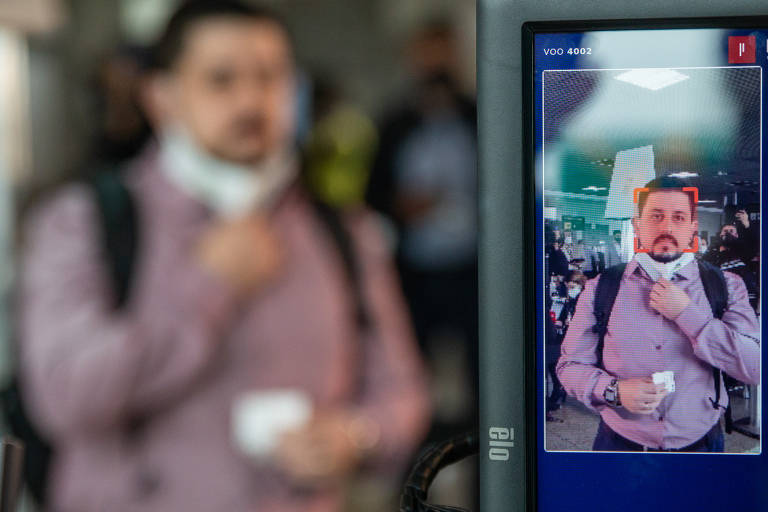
column 66, row 101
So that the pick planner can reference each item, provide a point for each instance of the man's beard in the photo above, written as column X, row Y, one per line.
column 665, row 257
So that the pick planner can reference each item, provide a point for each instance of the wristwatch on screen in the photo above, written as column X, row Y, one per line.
column 611, row 393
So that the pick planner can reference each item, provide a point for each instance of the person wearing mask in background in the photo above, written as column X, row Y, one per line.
column 424, row 180
column 238, row 292
column 661, row 320
column 613, row 250
column 733, row 255
column 579, row 260
column 558, row 261
column 703, row 246
column 574, row 284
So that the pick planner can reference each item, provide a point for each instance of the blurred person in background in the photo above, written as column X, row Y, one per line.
column 573, row 284
column 703, row 245
column 613, row 255
column 123, row 130
column 237, row 291
column 558, row 261
column 425, row 180
column 340, row 150
column 737, row 247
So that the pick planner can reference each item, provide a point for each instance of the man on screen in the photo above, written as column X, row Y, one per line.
column 661, row 320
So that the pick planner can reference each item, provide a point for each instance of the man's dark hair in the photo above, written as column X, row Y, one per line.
column 171, row 44
column 576, row 276
column 666, row 183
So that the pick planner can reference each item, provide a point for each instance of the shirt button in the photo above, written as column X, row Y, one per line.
column 658, row 347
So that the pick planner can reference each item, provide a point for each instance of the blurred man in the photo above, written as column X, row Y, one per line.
column 660, row 318
column 238, row 292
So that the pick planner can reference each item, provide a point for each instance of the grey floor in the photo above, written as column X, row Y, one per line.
column 579, row 425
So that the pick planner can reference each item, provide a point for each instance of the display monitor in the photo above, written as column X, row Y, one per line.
column 644, row 163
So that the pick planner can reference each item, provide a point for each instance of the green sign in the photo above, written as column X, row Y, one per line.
column 571, row 223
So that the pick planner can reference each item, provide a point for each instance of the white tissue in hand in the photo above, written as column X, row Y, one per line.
column 667, row 378
column 259, row 419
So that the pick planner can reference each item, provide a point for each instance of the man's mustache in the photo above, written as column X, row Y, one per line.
column 247, row 125
column 669, row 238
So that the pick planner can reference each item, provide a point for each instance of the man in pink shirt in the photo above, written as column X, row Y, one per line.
column 237, row 289
column 661, row 321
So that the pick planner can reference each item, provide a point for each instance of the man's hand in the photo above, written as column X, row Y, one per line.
column 743, row 217
column 245, row 252
column 321, row 453
column 641, row 396
column 668, row 299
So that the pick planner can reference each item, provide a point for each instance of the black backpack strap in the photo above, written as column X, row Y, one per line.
column 334, row 225
column 716, row 290
column 115, row 207
column 119, row 229
column 605, row 295
column 715, row 287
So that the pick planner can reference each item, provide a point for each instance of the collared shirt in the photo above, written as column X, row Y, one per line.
column 184, row 348
column 639, row 342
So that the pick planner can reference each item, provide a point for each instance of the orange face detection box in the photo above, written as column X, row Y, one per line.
column 694, row 190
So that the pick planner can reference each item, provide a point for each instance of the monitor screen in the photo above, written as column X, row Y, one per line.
column 645, row 155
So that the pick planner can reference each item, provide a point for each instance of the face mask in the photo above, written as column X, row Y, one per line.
column 230, row 190
column 728, row 239
column 574, row 292
column 656, row 269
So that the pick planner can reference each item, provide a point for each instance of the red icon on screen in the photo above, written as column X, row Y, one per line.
column 741, row 50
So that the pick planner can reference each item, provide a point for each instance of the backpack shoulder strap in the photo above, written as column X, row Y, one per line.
column 119, row 229
column 715, row 287
column 716, row 290
column 333, row 222
column 605, row 295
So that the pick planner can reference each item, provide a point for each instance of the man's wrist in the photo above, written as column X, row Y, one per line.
column 364, row 434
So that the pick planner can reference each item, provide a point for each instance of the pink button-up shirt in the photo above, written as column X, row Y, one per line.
column 640, row 342
column 181, row 351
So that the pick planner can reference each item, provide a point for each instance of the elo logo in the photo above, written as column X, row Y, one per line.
column 500, row 441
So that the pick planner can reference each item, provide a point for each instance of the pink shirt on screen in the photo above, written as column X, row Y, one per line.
column 640, row 342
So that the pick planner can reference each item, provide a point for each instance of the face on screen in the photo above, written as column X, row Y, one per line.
column 666, row 225
column 649, row 335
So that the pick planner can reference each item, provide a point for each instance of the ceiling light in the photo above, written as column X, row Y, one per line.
column 653, row 79
column 593, row 188
column 707, row 201
column 684, row 175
